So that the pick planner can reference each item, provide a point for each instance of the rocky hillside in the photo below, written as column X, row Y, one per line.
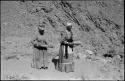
column 99, row 25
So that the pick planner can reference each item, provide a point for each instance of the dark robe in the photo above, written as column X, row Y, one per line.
column 66, row 63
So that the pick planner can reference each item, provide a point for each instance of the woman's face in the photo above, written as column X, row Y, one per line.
column 69, row 28
column 41, row 30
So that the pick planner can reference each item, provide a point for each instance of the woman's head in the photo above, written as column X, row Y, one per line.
column 69, row 26
column 41, row 28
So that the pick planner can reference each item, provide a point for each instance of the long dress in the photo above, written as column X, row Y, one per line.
column 40, row 55
column 66, row 63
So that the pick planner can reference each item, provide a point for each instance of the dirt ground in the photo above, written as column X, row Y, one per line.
column 20, row 69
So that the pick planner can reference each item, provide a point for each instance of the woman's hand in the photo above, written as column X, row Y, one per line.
column 64, row 42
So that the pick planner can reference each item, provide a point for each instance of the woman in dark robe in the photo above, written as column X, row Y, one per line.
column 66, row 63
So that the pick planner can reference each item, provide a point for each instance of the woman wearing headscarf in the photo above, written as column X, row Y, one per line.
column 40, row 45
column 66, row 63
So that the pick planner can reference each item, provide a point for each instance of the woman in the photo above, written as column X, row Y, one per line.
column 40, row 45
column 66, row 63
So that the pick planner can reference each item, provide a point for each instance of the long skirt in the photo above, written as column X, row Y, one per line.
column 40, row 58
column 66, row 64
